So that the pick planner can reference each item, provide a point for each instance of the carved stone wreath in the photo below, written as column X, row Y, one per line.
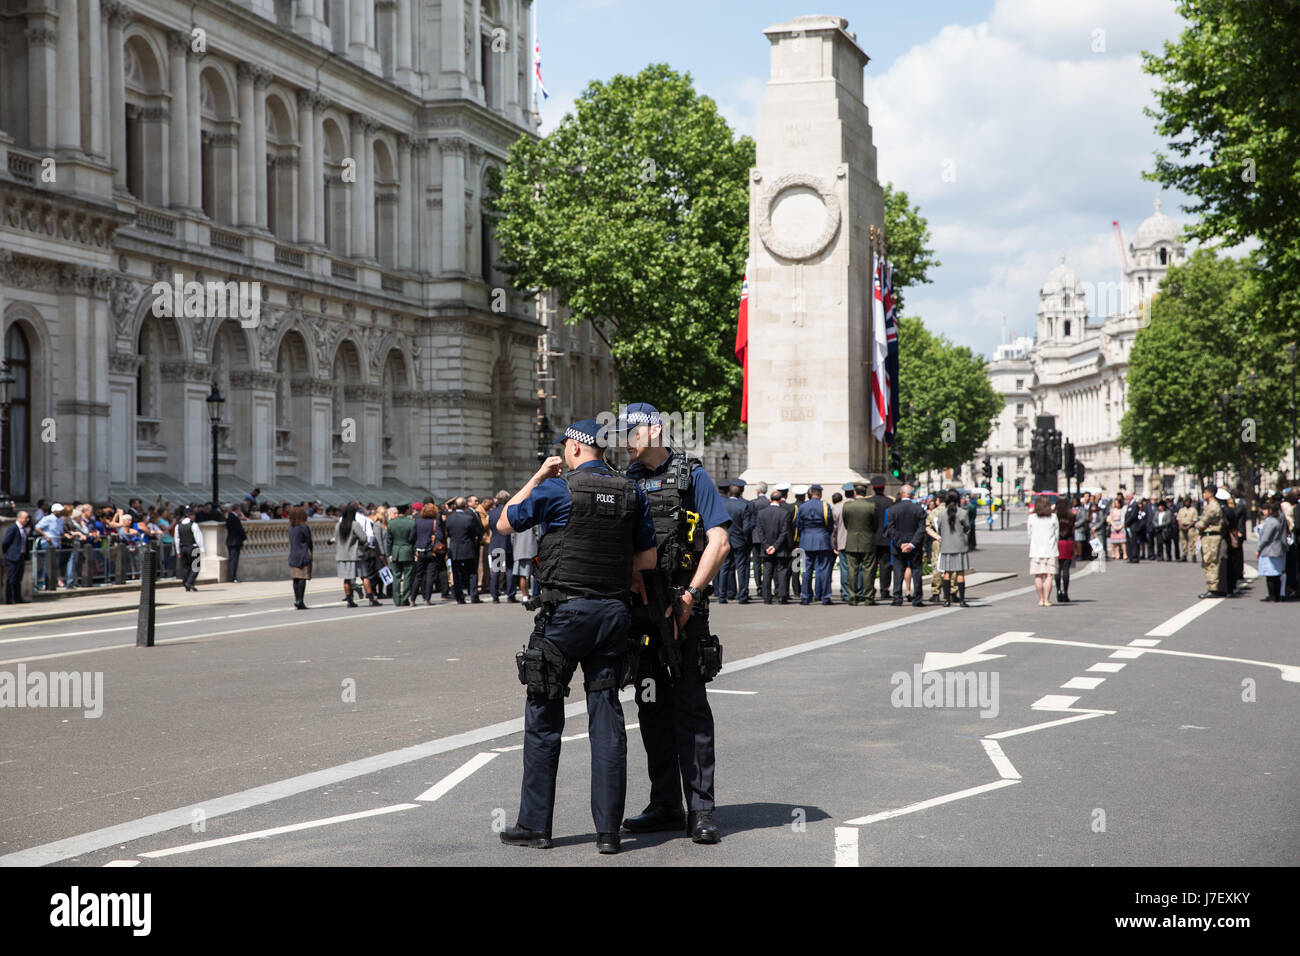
column 787, row 249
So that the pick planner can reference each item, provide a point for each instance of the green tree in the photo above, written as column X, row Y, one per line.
column 952, row 404
column 1230, row 111
column 908, row 235
column 636, row 207
column 1207, row 333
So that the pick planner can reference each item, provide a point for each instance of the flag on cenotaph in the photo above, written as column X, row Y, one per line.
column 891, row 360
column 742, row 343
column 879, row 354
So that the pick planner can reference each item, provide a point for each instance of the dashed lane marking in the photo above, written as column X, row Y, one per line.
column 443, row 786
column 1083, row 683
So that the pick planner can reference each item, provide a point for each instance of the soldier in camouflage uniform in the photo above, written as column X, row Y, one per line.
column 936, row 576
column 1210, row 529
column 1187, row 530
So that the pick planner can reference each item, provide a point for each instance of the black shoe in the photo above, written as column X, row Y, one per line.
column 871, row 602
column 722, row 600
column 461, row 601
column 1211, row 594
column 496, row 600
column 827, row 603
column 918, row 604
column 374, row 601
column 805, row 603
column 607, row 842
column 700, row 826
column 521, row 836
column 769, row 602
column 783, row 601
column 476, row 601
column 935, row 599
column 898, row 603
column 743, row 601
column 511, row 600
column 654, row 818
column 299, row 605
column 350, row 602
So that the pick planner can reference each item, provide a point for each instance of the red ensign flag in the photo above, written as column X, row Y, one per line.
column 742, row 344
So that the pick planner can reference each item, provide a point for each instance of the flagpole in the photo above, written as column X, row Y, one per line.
column 537, row 41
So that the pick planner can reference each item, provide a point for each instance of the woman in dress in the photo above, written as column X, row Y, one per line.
column 1272, row 550
column 1064, row 549
column 1116, row 523
column 300, row 545
column 354, row 535
column 1044, row 533
column 951, row 529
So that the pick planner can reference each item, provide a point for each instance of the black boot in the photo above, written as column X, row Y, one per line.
column 521, row 836
column 700, row 826
column 947, row 593
column 348, row 597
column 961, row 594
column 654, row 818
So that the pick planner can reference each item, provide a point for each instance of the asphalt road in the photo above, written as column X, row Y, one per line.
column 241, row 725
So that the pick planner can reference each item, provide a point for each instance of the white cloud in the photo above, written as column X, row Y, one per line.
column 1046, row 141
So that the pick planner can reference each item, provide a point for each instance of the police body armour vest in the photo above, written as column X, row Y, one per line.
column 591, row 556
column 672, row 501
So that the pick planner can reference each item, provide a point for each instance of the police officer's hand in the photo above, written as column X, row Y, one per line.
column 686, row 604
column 638, row 586
column 771, row 549
column 551, row 468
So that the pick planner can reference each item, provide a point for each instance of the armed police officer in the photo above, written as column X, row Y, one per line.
column 676, row 722
column 596, row 528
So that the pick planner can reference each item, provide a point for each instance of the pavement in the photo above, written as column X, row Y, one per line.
column 1137, row 725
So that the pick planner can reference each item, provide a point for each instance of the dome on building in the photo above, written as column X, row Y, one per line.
column 1155, row 229
column 1061, row 279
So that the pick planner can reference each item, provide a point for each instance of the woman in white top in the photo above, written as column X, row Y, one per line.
column 1044, row 530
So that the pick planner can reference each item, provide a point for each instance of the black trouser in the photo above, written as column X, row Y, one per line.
column 14, row 581
column 1132, row 546
column 1274, row 584
column 886, row 568
column 232, row 551
column 591, row 631
column 299, row 590
column 1178, row 549
column 187, row 568
column 677, row 726
column 465, row 578
column 775, row 567
column 426, row 573
column 1062, row 575
column 911, row 560
column 500, row 581
column 1165, row 550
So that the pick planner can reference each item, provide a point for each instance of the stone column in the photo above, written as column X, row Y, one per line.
column 260, row 82
column 95, row 82
column 318, row 189
column 404, row 39
column 423, row 239
column 357, row 247
column 117, row 15
column 42, row 70
column 194, row 138
column 370, row 126
column 309, row 166
column 361, row 36
column 247, row 147
column 178, row 45
column 452, row 37
column 68, row 79
column 405, row 203
column 453, row 203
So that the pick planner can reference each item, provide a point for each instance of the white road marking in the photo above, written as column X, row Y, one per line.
column 506, row 750
column 1004, row 766
column 122, row 863
column 456, row 776
column 572, row 737
column 1183, row 618
column 1051, row 723
column 1128, row 654
column 1054, row 702
column 846, row 846
column 938, row 661
column 276, row 831
column 933, row 802
column 1105, row 668
column 1083, row 683
column 719, row 690
column 1143, row 642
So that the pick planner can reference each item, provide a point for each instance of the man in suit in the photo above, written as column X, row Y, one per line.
column 401, row 552
column 15, row 550
column 756, row 553
column 847, row 587
column 816, row 527
column 735, row 573
column 774, row 524
column 859, row 526
column 464, row 532
column 882, row 502
column 1134, row 515
column 235, row 536
column 906, row 533
column 501, row 551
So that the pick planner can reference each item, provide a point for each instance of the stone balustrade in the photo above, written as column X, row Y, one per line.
column 265, row 554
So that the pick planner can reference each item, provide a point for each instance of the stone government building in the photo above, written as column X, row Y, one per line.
column 1077, row 369
column 380, row 300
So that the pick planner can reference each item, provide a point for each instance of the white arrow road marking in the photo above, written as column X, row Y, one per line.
column 1004, row 766
column 276, row 831
column 938, row 660
column 932, row 802
column 122, row 863
column 456, row 776
column 1043, row 726
column 1183, row 618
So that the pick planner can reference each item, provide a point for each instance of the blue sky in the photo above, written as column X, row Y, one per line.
column 1036, row 105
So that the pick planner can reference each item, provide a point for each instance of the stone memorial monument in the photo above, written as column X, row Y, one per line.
column 814, row 199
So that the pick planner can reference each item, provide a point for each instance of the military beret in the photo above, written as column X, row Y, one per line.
column 586, row 431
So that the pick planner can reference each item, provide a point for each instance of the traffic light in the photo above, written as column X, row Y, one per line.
column 988, row 468
column 896, row 464
column 1078, row 471
column 1068, row 459
column 1000, row 475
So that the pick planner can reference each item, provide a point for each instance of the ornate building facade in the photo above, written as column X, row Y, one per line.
column 331, row 154
column 1076, row 370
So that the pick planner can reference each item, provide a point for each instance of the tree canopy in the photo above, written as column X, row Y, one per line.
column 908, row 235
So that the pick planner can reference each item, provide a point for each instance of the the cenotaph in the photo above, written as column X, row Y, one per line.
column 814, row 199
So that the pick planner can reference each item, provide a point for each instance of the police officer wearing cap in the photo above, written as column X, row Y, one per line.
column 735, row 571
column 596, row 529
column 676, row 722
column 816, row 526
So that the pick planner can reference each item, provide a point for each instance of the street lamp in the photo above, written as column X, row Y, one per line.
column 726, row 466
column 1290, row 351
column 215, row 401
column 7, row 380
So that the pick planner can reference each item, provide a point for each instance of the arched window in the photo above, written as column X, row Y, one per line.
column 17, row 437
column 1164, row 256
column 1142, row 288
column 1067, row 328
